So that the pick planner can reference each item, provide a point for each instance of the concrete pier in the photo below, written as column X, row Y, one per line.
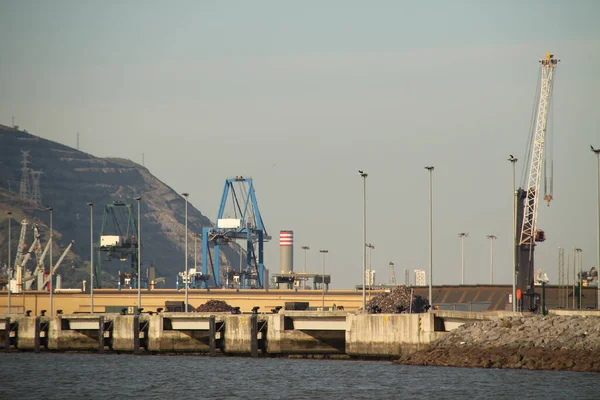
column 285, row 333
column 293, row 332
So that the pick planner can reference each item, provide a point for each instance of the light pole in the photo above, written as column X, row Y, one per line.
column 371, row 247
column 597, row 152
column 196, row 252
column 364, row 244
column 492, row 238
column 9, row 213
column 91, row 257
column 306, row 249
column 513, row 161
column 578, row 252
column 430, row 168
column 323, row 252
column 462, row 237
column 50, row 284
column 139, row 244
column 187, row 276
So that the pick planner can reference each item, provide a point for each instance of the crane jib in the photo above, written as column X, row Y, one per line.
column 528, row 231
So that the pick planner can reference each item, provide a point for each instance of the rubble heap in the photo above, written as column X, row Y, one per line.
column 214, row 306
column 397, row 300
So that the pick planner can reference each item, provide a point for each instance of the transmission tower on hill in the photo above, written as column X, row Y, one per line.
column 24, row 189
column 36, row 194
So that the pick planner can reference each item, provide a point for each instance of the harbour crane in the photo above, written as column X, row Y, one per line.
column 527, row 207
column 238, row 218
column 118, row 239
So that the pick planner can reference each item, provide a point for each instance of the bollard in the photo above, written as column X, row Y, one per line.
column 101, row 335
column 212, row 335
column 136, row 334
column 254, row 335
column 37, row 332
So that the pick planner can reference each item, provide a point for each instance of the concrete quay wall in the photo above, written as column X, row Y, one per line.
column 390, row 334
column 300, row 333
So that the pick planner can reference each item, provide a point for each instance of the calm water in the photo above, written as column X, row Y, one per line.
column 91, row 376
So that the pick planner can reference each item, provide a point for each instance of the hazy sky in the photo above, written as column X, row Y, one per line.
column 300, row 95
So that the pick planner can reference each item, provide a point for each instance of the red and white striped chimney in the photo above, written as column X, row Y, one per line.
column 286, row 251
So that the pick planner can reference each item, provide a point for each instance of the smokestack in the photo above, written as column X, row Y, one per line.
column 286, row 251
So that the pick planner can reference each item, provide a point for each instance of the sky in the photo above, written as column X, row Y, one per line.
column 300, row 95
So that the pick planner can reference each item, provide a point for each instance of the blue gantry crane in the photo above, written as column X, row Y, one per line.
column 238, row 218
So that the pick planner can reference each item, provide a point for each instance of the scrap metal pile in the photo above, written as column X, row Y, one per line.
column 397, row 300
column 215, row 306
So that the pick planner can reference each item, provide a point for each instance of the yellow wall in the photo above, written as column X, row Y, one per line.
column 151, row 300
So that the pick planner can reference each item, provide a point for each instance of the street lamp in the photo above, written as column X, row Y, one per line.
column 323, row 252
column 597, row 152
column 196, row 252
column 462, row 237
column 50, row 284
column 306, row 249
column 430, row 169
column 364, row 244
column 371, row 247
column 91, row 257
column 187, row 276
column 9, row 213
column 578, row 252
column 492, row 238
column 139, row 244
column 513, row 161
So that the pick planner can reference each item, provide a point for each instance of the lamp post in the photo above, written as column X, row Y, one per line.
column 430, row 168
column 50, row 284
column 9, row 213
column 187, row 276
column 91, row 257
column 513, row 161
column 139, row 248
column 462, row 237
column 323, row 252
column 579, row 252
column 371, row 247
column 196, row 252
column 364, row 244
column 492, row 238
column 597, row 152
column 306, row 249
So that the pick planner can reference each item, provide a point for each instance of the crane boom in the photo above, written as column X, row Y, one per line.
column 40, row 265
column 60, row 260
column 537, row 152
column 21, row 245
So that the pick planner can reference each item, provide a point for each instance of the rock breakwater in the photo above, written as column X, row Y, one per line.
column 533, row 342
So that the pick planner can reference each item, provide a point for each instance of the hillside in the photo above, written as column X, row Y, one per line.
column 70, row 179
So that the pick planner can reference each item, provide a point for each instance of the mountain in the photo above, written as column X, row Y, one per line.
column 69, row 180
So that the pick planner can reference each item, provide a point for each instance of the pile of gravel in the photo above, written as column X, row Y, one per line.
column 397, row 300
column 214, row 306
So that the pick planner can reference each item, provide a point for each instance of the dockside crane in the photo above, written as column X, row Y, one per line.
column 527, row 207
column 118, row 238
column 238, row 218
